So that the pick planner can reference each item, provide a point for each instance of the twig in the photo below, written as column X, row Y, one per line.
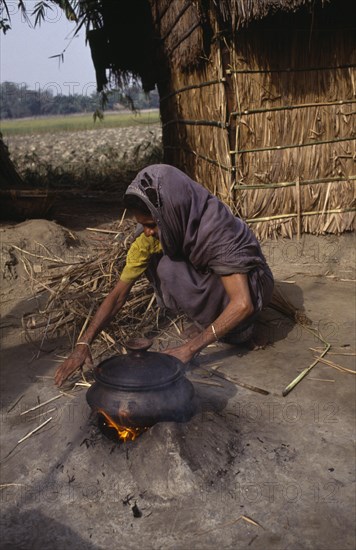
column 102, row 230
column 35, row 430
column 86, row 321
column 249, row 520
column 227, row 524
column 320, row 379
column 205, row 382
column 236, row 382
column 298, row 201
column 176, row 327
column 42, row 404
column 352, row 354
column 43, row 337
column 14, row 404
column 336, row 366
column 43, row 413
column 122, row 217
column 37, row 255
column 300, row 377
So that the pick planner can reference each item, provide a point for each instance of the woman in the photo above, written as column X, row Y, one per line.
column 201, row 260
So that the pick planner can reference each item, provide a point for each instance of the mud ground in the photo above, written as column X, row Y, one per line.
column 250, row 470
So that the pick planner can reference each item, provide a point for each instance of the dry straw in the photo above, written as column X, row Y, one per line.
column 75, row 290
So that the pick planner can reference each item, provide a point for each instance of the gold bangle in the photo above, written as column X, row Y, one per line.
column 83, row 344
column 214, row 332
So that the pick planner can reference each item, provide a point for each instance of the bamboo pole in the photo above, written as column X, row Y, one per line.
column 292, row 107
column 294, row 146
column 284, row 184
column 298, row 201
column 215, row 123
column 293, row 215
column 288, row 70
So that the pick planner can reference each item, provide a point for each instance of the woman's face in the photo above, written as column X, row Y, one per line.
column 150, row 228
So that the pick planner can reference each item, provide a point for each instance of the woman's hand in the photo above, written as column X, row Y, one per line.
column 79, row 357
column 239, row 308
column 81, row 354
column 183, row 353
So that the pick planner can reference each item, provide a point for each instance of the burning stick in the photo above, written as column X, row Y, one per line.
column 124, row 432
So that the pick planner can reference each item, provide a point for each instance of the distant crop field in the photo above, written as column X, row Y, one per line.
column 74, row 123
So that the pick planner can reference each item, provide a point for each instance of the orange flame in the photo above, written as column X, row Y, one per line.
column 124, row 432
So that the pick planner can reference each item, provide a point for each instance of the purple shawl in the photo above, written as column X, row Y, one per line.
column 194, row 225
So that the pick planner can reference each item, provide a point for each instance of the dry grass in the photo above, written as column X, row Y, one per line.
column 75, row 290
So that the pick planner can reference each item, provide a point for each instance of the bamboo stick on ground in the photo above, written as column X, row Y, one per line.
column 236, row 382
column 306, row 371
column 35, row 430
column 42, row 404
column 336, row 366
column 107, row 231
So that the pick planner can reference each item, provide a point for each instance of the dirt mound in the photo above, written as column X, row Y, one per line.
column 25, row 248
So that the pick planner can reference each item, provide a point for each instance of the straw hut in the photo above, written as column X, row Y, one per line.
column 257, row 100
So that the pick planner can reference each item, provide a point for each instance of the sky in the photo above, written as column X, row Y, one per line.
column 25, row 52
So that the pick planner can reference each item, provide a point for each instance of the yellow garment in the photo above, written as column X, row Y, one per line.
column 138, row 257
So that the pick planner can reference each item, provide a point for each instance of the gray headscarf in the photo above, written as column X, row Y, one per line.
column 194, row 225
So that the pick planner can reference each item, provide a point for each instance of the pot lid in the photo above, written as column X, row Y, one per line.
column 139, row 370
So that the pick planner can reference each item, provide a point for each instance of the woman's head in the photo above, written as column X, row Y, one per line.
column 175, row 202
column 142, row 214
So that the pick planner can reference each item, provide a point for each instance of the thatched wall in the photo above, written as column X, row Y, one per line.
column 263, row 115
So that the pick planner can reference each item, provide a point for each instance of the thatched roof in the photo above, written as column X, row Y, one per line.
column 127, row 42
column 241, row 12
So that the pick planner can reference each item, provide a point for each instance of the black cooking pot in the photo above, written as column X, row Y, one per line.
column 142, row 387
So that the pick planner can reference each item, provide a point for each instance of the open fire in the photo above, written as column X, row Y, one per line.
column 124, row 433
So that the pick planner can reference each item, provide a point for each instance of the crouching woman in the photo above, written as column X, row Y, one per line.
column 200, row 259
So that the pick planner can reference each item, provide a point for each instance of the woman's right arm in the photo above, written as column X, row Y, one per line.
column 81, row 353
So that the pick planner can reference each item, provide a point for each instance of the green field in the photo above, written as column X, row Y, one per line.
column 73, row 123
